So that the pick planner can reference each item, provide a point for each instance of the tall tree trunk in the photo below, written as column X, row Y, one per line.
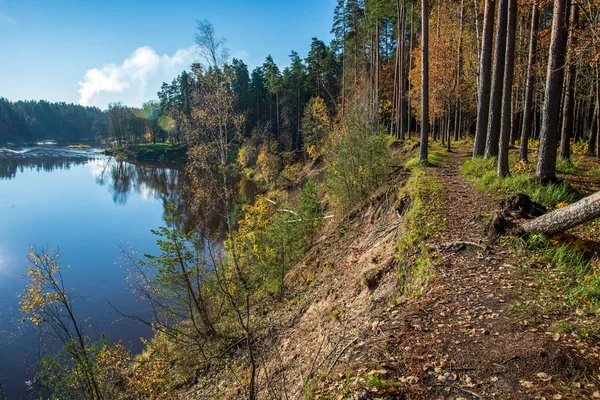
column 485, row 71
column 494, row 124
column 546, row 167
column 516, row 117
column 410, row 62
column 402, row 87
column 507, row 92
column 396, row 90
column 477, row 39
column 598, row 113
column 458, row 72
column 593, row 132
column 399, row 94
column 343, row 78
column 377, row 64
column 568, row 109
column 425, row 80
column 527, row 108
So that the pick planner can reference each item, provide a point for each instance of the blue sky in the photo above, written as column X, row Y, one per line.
column 96, row 52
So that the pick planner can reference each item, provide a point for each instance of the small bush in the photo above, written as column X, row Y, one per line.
column 248, row 154
column 357, row 158
column 268, row 161
column 270, row 239
column 316, row 125
column 579, row 147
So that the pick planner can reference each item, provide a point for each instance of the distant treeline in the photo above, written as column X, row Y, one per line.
column 29, row 121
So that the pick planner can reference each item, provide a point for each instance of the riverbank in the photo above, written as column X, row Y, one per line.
column 163, row 153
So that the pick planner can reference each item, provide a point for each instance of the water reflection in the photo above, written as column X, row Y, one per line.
column 150, row 181
column 125, row 179
column 42, row 159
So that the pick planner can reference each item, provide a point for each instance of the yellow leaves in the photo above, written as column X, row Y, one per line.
column 522, row 167
column 562, row 204
column 579, row 147
column 533, row 144
column 312, row 151
column 316, row 126
column 268, row 161
column 41, row 290
column 249, row 239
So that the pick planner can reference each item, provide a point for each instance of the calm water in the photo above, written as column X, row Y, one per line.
column 88, row 205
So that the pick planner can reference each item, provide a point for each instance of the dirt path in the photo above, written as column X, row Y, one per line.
column 464, row 337
column 343, row 336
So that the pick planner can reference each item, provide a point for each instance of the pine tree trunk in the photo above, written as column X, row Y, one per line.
column 598, row 113
column 593, row 132
column 568, row 217
column 402, row 87
column 485, row 71
column 425, row 80
column 458, row 73
column 377, row 65
column 396, row 91
column 410, row 62
column 507, row 92
column 494, row 124
column 568, row 109
column 400, row 93
column 546, row 167
column 528, row 107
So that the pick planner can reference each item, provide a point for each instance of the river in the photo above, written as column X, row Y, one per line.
column 90, row 207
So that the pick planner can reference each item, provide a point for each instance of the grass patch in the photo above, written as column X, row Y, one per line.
column 390, row 140
column 382, row 384
column 435, row 155
column 594, row 172
column 568, row 279
column 419, row 202
column 566, row 167
column 482, row 173
column 434, row 159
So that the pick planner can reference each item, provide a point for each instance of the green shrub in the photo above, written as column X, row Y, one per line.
column 316, row 125
column 269, row 161
column 247, row 154
column 357, row 158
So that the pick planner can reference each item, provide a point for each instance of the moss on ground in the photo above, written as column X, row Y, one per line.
column 422, row 218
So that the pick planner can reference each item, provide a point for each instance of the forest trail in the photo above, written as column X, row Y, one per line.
column 465, row 338
column 470, row 334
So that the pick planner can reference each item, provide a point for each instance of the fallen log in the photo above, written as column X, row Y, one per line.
column 567, row 217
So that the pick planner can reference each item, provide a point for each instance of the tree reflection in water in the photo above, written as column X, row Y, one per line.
column 169, row 186
column 39, row 160
column 151, row 181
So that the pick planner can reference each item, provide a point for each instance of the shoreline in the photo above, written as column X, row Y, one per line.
column 157, row 153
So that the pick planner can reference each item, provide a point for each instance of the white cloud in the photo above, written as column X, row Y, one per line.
column 134, row 81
